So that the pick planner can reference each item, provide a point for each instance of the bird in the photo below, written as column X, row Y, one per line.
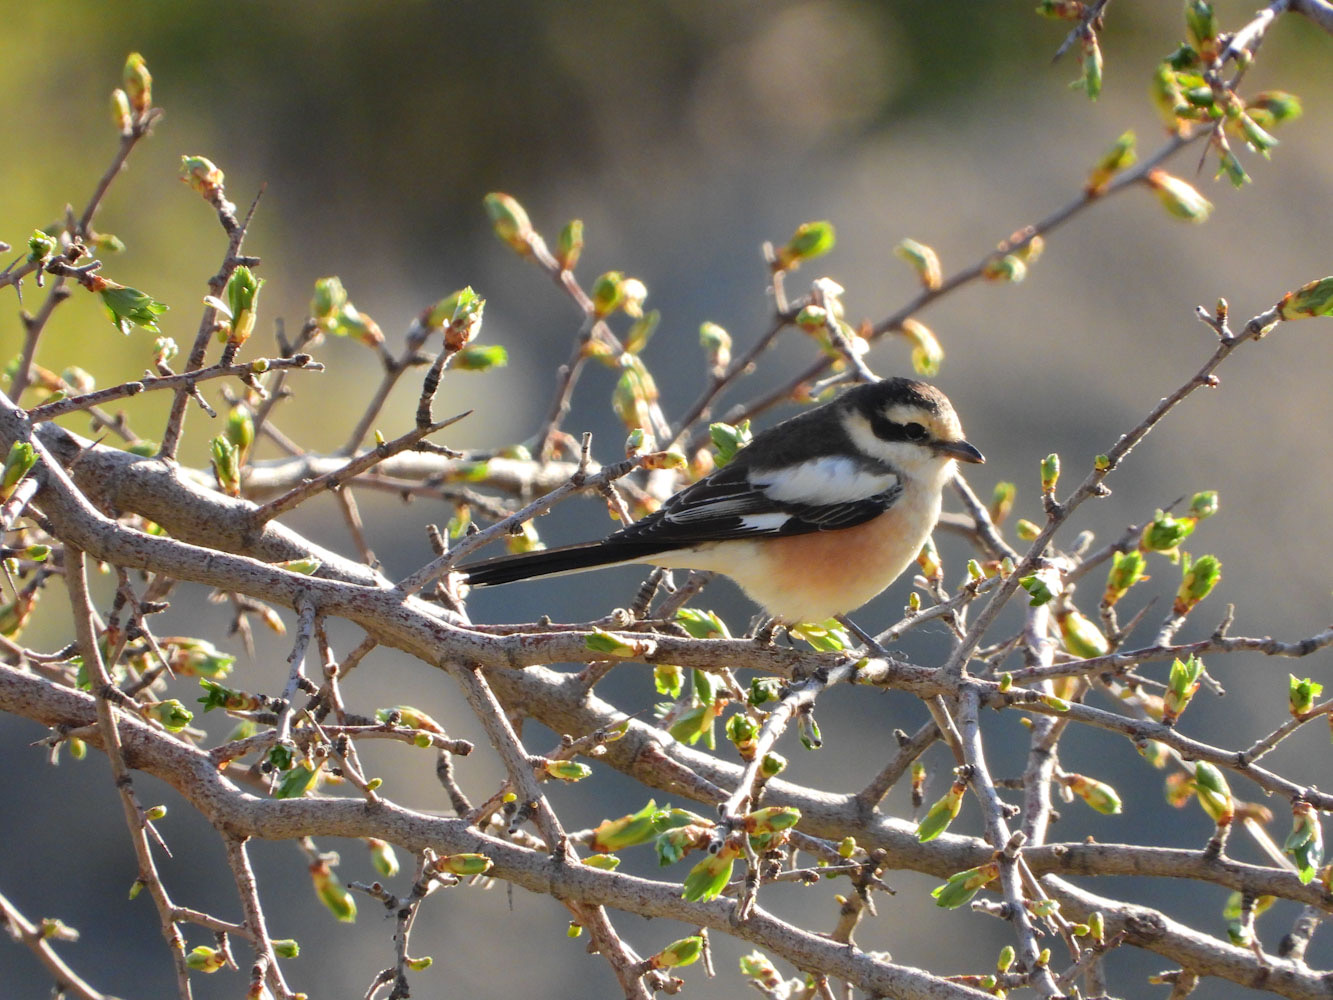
column 812, row 518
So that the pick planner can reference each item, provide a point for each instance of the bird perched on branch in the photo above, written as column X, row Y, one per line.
column 812, row 518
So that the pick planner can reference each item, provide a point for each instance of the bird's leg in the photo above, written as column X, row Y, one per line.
column 871, row 643
column 764, row 630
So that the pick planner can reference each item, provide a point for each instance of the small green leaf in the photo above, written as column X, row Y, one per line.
column 709, row 877
column 128, row 307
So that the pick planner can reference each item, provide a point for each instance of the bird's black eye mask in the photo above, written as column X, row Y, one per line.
column 886, row 430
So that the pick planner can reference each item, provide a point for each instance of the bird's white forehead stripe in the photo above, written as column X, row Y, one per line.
column 828, row 480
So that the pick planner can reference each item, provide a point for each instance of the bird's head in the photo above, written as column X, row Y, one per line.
column 907, row 424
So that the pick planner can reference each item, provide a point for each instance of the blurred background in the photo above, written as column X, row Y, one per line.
column 684, row 133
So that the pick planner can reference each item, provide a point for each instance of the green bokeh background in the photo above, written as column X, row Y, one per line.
column 684, row 134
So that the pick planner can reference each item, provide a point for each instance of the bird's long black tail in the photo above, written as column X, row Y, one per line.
column 548, row 562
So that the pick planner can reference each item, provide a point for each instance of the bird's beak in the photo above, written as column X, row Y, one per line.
column 960, row 450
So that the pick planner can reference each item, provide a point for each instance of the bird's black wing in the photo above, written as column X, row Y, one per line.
column 820, row 493
column 738, row 501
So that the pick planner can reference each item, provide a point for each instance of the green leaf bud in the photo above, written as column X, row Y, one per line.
column 741, row 730
column 510, row 221
column 1081, row 637
column 1090, row 62
column 203, row 176
column 1313, row 299
column 127, row 307
column 242, row 294
column 1305, row 843
column 807, row 729
column 567, row 770
column 1301, row 694
column 205, row 959
column 828, row 636
column 812, row 319
column 382, row 856
column 297, row 780
column 772, row 765
column 1182, row 683
column 1120, row 156
column 1097, row 794
column 569, row 245
column 138, row 83
column 1167, row 97
column 1198, row 578
column 1204, row 504
column 772, row 819
column 709, row 877
column 602, row 862
column 465, row 865
column 331, row 892
column 1273, row 107
column 604, row 642
column 1201, row 26
column 1214, row 793
column 329, row 298
column 1002, row 501
column 108, row 243
column 1127, row 569
column 716, row 343
column 120, row 111
column 226, row 466
column 480, row 358
column 1256, row 137
column 40, row 247
column 286, row 947
column 962, row 886
column 171, row 713
column 1026, row 530
column 728, row 439
column 411, row 718
column 678, row 953
column 617, row 834
column 924, row 261
column 758, row 967
column 18, row 463
column 764, row 689
column 932, row 567
column 1005, row 267
column 1178, row 197
column 1043, row 586
column 668, row 679
column 643, row 329
column 811, row 239
column 927, row 353
column 1164, row 533
column 240, row 429
column 459, row 315
column 1050, row 473
column 607, row 293
column 942, row 813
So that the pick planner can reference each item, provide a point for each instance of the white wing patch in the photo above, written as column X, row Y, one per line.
column 820, row 481
column 711, row 510
column 764, row 522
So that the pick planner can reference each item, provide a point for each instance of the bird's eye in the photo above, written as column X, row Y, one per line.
column 914, row 431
